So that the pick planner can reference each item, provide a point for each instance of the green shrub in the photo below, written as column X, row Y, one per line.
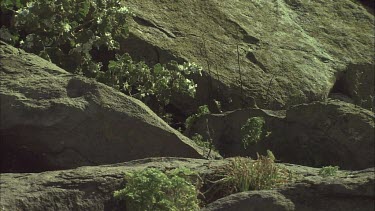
column 9, row 4
column 153, row 190
column 154, row 86
column 252, row 131
column 66, row 31
column 71, row 33
column 328, row 171
column 202, row 110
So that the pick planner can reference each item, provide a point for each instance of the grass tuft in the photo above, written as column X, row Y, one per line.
column 244, row 174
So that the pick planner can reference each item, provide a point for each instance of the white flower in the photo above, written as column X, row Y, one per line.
column 23, row 12
column 192, row 87
column 66, row 27
column 99, row 20
column 123, row 10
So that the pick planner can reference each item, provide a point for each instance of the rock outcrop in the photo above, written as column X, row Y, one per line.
column 51, row 119
column 316, row 134
column 225, row 130
column 279, row 53
column 347, row 193
column 306, row 67
column 327, row 133
column 356, row 84
column 84, row 188
column 91, row 188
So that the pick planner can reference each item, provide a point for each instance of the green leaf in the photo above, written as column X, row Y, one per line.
column 9, row 4
column 84, row 8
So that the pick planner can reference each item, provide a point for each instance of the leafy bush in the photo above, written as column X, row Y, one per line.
column 252, row 131
column 150, row 84
column 244, row 174
column 9, row 4
column 198, row 139
column 71, row 33
column 327, row 171
column 202, row 110
column 153, row 190
column 66, row 31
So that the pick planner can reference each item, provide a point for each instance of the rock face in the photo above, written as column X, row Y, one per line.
column 331, row 133
column 91, row 188
column 85, row 188
column 356, row 84
column 354, row 192
column 280, row 53
column 51, row 119
column 317, row 134
column 283, row 60
column 225, row 130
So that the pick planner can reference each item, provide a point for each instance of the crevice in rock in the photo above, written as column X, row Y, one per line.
column 103, row 55
column 246, row 37
column 178, row 118
column 369, row 5
column 147, row 23
column 355, row 85
column 143, row 22
column 142, row 50
column 69, row 152
column 340, row 89
column 20, row 159
column 251, row 57
column 77, row 88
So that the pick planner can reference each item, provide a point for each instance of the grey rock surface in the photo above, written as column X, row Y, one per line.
column 51, row 119
column 351, row 192
column 278, row 53
column 327, row 133
column 92, row 187
column 315, row 134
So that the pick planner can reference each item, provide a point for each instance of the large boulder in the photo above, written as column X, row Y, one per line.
column 84, row 188
column 327, row 133
column 318, row 134
column 51, row 119
column 91, row 188
column 278, row 53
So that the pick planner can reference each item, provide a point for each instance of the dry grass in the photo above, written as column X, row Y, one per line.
column 244, row 174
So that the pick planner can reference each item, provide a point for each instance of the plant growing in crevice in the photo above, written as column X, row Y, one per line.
column 153, row 190
column 205, row 144
column 244, row 174
column 328, row 171
column 202, row 110
column 199, row 140
column 252, row 131
column 239, row 71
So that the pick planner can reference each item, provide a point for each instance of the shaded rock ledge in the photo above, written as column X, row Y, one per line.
column 91, row 188
column 51, row 119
